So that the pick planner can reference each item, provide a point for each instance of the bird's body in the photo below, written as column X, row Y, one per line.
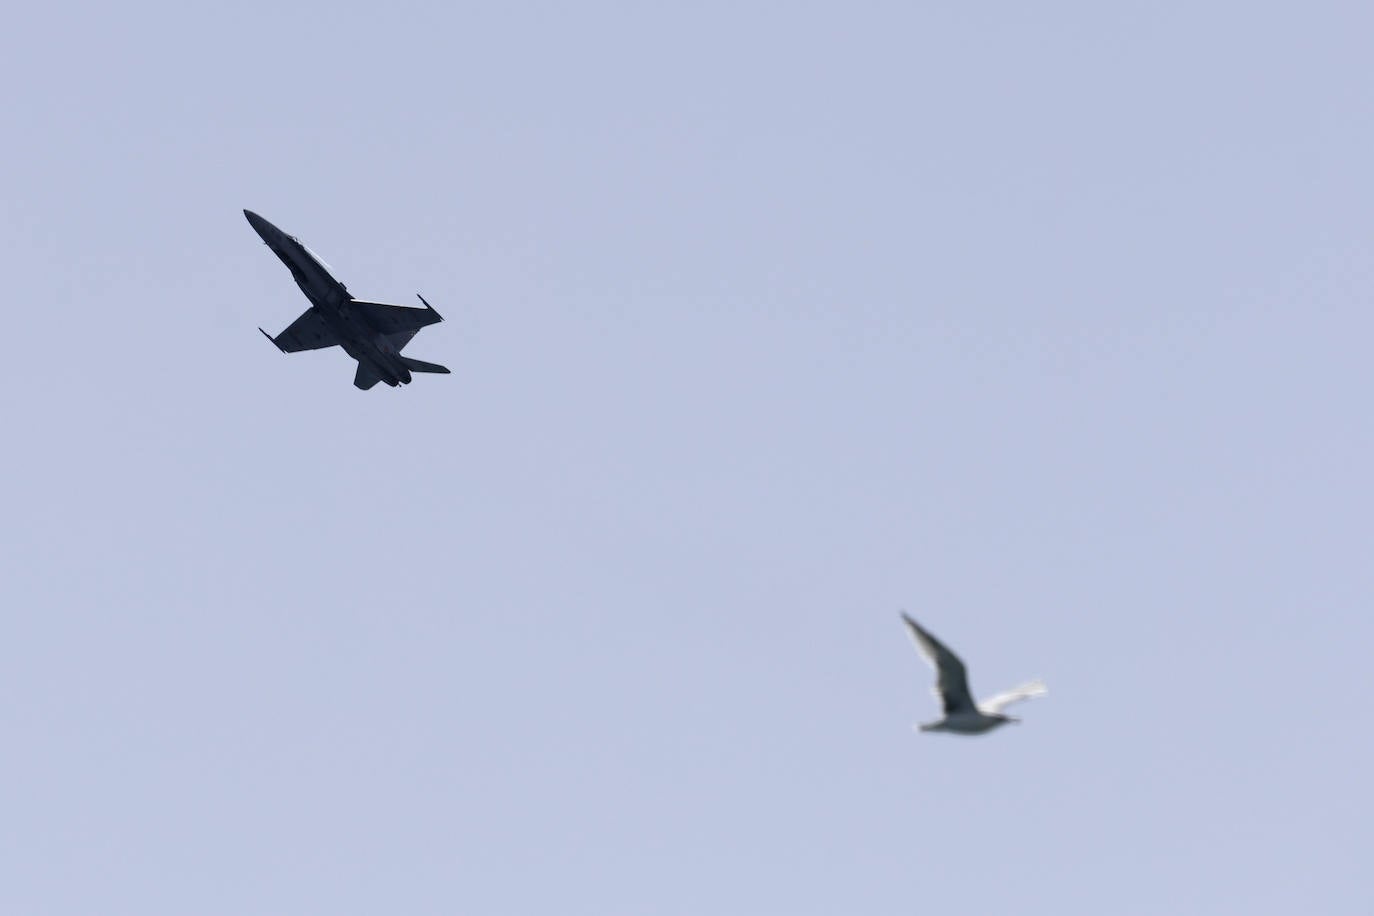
column 966, row 723
column 962, row 715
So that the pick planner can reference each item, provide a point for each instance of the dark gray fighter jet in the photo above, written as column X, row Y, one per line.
column 373, row 333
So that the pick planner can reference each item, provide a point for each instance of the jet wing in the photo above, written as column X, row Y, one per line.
column 401, row 338
column 308, row 332
column 394, row 319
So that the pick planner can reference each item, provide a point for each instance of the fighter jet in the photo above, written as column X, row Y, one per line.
column 373, row 333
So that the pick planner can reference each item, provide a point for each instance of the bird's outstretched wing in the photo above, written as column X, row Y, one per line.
column 1026, row 691
column 951, row 683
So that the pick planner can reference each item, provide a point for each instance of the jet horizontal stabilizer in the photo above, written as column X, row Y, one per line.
column 365, row 378
column 419, row 365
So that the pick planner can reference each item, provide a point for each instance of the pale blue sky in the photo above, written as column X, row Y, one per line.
column 1050, row 324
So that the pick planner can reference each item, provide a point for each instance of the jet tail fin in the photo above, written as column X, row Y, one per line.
column 419, row 365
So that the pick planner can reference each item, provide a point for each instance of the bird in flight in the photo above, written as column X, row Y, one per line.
column 962, row 715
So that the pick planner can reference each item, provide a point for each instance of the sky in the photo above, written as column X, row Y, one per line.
column 1047, row 324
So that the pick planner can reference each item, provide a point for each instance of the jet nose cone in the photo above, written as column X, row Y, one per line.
column 261, row 226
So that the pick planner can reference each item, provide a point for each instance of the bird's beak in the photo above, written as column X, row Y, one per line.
column 1013, row 720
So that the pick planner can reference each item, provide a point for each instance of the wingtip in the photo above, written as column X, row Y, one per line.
column 430, row 307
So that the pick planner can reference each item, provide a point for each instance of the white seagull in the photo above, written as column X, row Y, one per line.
column 962, row 715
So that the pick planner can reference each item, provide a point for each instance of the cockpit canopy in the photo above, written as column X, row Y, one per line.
column 306, row 249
